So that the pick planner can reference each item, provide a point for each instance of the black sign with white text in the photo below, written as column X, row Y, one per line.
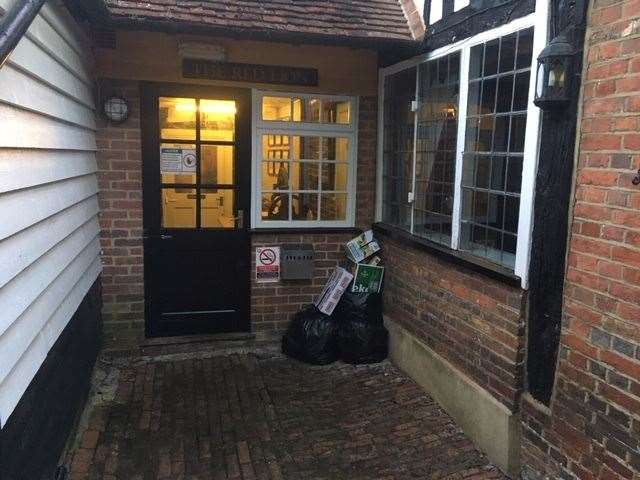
column 246, row 72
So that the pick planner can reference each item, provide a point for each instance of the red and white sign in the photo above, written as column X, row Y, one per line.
column 267, row 264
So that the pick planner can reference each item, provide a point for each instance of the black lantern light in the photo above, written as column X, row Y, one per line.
column 555, row 74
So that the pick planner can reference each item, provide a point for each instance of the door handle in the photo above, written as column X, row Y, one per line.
column 161, row 237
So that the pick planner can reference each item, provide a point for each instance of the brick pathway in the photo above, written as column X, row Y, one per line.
column 249, row 416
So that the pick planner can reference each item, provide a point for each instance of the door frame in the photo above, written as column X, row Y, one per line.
column 151, row 194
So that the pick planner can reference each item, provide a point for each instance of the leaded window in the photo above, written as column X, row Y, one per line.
column 455, row 143
column 498, row 95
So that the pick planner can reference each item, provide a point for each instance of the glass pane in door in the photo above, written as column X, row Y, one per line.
column 216, row 164
column 177, row 118
column 217, row 208
column 178, row 208
column 217, row 120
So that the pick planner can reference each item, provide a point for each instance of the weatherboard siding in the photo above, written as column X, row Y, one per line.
column 49, row 233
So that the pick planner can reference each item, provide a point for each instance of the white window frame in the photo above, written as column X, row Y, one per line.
column 539, row 21
column 261, row 127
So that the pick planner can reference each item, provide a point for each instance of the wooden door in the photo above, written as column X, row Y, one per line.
column 196, row 184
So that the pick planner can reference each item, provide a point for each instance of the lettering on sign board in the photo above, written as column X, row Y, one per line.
column 247, row 72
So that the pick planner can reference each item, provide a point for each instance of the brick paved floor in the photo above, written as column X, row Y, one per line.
column 249, row 416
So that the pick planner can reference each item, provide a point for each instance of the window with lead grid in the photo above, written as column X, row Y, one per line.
column 499, row 77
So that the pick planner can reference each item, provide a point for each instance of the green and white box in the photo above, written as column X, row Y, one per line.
column 368, row 279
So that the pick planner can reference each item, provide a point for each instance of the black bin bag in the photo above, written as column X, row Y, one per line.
column 362, row 336
column 312, row 337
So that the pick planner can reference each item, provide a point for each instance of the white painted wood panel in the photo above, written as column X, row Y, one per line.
column 15, row 340
column 18, row 88
column 23, row 372
column 49, row 246
column 24, row 289
column 48, row 39
column 24, row 129
column 22, row 249
column 29, row 57
column 23, row 208
column 59, row 19
column 27, row 168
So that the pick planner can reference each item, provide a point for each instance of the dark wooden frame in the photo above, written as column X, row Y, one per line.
column 152, row 183
column 551, row 220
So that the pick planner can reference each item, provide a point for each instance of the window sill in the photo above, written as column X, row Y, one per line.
column 464, row 259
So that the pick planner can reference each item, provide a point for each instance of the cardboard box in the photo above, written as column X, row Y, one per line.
column 368, row 279
column 333, row 291
column 362, row 247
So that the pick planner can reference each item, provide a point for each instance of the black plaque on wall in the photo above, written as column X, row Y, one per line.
column 247, row 72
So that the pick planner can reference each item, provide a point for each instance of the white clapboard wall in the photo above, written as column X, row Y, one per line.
column 49, row 245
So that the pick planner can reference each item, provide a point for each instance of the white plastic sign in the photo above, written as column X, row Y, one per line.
column 267, row 264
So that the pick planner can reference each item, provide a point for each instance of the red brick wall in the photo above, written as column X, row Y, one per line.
column 473, row 321
column 273, row 304
column 120, row 182
column 119, row 163
column 592, row 429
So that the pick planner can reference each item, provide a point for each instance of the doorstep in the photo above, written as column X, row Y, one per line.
column 159, row 346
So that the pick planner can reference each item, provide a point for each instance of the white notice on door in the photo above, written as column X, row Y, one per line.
column 177, row 159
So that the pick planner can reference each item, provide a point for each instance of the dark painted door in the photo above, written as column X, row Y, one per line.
column 196, row 184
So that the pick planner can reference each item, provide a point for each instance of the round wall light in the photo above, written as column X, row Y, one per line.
column 116, row 109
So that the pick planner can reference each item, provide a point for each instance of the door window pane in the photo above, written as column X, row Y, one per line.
column 177, row 118
column 217, row 208
column 178, row 163
column 178, row 208
column 189, row 171
column 217, row 120
column 216, row 163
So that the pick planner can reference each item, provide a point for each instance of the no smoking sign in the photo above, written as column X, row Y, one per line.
column 267, row 264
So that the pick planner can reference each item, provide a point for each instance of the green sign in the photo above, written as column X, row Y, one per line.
column 368, row 279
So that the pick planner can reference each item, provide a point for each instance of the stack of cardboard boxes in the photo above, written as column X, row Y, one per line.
column 364, row 273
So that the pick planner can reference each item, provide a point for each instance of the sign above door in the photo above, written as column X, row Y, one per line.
column 246, row 72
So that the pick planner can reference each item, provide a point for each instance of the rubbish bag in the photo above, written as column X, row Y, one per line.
column 362, row 336
column 312, row 337
column 364, row 307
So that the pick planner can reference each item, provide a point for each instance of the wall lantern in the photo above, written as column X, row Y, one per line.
column 555, row 74
column 116, row 109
